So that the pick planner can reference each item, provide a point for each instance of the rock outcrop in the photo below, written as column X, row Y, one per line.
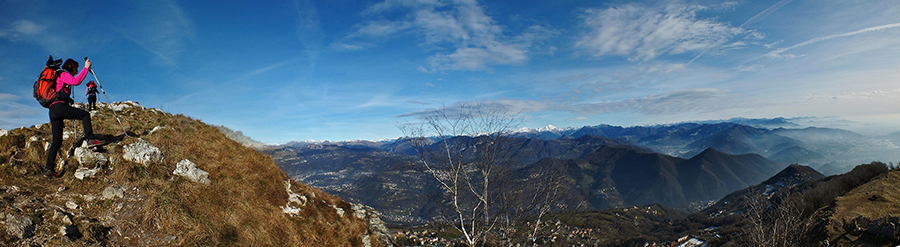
column 189, row 170
column 142, row 152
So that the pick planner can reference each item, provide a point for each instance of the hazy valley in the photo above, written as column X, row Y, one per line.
column 685, row 168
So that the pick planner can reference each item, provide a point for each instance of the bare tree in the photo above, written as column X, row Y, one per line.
column 546, row 189
column 774, row 222
column 470, row 159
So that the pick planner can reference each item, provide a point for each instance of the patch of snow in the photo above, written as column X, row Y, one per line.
column 293, row 199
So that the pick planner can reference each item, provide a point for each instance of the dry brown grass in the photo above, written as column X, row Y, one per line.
column 875, row 199
column 241, row 206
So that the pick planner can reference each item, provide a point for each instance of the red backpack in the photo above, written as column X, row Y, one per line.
column 45, row 86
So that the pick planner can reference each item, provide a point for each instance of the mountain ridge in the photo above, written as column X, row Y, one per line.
column 776, row 139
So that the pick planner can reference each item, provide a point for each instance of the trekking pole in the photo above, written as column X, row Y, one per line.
column 107, row 99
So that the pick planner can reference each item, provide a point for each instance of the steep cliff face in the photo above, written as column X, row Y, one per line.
column 165, row 180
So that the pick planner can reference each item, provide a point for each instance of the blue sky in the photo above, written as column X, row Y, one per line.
column 341, row 70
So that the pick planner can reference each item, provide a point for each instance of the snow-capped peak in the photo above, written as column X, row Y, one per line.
column 549, row 128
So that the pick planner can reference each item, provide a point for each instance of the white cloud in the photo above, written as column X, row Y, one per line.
column 780, row 53
column 381, row 28
column 160, row 28
column 8, row 97
column 21, row 29
column 749, row 68
column 309, row 31
column 460, row 33
column 27, row 27
column 670, row 103
column 874, row 95
column 644, row 33
column 765, row 13
column 675, row 102
column 341, row 46
column 40, row 33
column 10, row 109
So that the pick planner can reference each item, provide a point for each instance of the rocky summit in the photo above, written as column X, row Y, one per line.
column 164, row 180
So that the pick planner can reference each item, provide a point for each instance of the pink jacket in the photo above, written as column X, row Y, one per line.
column 67, row 79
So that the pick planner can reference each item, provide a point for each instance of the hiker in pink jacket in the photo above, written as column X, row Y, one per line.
column 61, row 110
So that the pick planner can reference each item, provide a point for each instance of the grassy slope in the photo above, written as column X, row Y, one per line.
column 241, row 206
column 874, row 200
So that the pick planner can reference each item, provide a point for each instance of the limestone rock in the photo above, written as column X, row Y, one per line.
column 67, row 134
column 62, row 217
column 32, row 139
column 376, row 225
column 119, row 106
column 4, row 132
column 83, row 173
column 158, row 128
column 142, row 152
column 89, row 158
column 113, row 192
column 339, row 211
column 72, row 205
column 189, row 170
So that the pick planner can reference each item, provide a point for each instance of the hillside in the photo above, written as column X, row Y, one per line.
column 616, row 176
column 796, row 207
column 171, row 181
column 799, row 206
column 870, row 213
column 713, row 174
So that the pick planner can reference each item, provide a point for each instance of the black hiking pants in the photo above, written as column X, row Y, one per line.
column 58, row 113
column 92, row 99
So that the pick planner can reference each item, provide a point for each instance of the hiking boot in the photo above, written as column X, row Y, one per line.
column 51, row 174
column 94, row 142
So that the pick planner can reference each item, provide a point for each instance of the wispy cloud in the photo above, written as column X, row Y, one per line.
column 262, row 70
column 670, row 103
column 160, row 29
column 752, row 34
column 10, row 109
column 8, row 97
column 462, row 35
column 676, row 102
column 38, row 33
column 21, row 28
column 309, row 30
column 644, row 33
column 457, row 109
column 341, row 46
column 765, row 13
column 779, row 53
column 874, row 95
column 749, row 68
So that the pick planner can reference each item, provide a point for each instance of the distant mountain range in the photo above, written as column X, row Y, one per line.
column 608, row 174
column 807, row 146
column 612, row 166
